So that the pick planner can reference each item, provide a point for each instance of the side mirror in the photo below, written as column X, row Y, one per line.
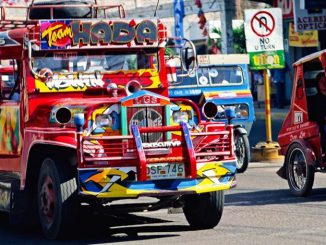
column 187, row 59
column 186, row 51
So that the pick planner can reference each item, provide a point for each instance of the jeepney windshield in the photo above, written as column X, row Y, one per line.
column 213, row 76
column 92, row 61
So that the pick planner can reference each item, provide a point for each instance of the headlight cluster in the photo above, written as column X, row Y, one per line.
column 241, row 111
column 180, row 116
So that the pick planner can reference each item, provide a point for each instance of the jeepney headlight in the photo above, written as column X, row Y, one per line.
column 242, row 110
column 103, row 121
column 63, row 115
column 180, row 116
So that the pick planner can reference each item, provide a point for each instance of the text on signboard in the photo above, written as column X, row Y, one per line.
column 76, row 33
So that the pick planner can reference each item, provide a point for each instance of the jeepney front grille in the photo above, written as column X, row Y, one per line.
column 146, row 117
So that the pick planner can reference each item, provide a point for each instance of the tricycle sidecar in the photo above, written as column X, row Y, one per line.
column 302, row 137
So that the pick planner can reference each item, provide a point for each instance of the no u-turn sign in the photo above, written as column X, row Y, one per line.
column 262, row 23
column 264, row 38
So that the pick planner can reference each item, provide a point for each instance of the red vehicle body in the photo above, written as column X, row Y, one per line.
column 302, row 137
column 92, row 123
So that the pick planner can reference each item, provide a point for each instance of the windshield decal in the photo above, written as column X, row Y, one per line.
column 61, row 34
column 72, row 82
column 81, row 81
column 65, row 55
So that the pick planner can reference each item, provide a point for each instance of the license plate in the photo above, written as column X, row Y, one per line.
column 165, row 171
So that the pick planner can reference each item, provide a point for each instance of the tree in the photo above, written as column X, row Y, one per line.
column 239, row 40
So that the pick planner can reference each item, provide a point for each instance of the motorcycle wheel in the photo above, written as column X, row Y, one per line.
column 299, row 173
column 242, row 151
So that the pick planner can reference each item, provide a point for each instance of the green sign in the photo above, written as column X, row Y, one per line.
column 267, row 60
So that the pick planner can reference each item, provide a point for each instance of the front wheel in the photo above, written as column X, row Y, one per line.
column 204, row 211
column 242, row 151
column 56, row 198
column 299, row 173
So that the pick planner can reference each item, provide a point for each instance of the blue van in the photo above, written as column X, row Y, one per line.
column 221, row 81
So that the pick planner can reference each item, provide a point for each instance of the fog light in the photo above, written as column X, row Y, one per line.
column 63, row 115
column 210, row 110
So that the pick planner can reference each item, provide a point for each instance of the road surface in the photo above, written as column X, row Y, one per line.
column 260, row 210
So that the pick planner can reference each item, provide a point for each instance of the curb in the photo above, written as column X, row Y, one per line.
column 269, row 164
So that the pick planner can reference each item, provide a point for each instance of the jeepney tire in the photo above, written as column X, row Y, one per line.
column 296, row 153
column 57, row 200
column 204, row 211
column 241, row 140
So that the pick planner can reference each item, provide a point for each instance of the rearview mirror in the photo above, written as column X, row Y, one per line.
column 187, row 59
column 186, row 52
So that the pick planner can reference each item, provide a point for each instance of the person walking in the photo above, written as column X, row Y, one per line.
column 257, row 79
column 278, row 78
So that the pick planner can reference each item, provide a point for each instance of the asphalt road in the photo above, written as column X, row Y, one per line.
column 258, row 131
column 260, row 210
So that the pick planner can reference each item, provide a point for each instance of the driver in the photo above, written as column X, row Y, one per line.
column 320, row 109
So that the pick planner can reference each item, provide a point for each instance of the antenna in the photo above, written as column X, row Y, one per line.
column 158, row 2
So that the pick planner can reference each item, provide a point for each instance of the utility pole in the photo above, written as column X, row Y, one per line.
column 227, row 13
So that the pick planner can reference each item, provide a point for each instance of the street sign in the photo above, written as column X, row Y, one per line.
column 264, row 38
column 309, row 19
column 302, row 39
column 262, row 23
column 286, row 6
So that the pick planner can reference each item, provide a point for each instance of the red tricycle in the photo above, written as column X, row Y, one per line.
column 303, row 135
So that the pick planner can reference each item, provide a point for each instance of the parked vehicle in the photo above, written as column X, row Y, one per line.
column 221, row 81
column 90, row 122
column 302, row 136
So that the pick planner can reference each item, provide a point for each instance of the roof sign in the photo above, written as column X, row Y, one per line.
column 63, row 34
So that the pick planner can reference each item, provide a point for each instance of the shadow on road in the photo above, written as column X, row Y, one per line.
column 97, row 229
column 267, row 197
column 128, row 227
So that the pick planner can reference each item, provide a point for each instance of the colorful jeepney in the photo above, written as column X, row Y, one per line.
column 220, row 81
column 87, row 120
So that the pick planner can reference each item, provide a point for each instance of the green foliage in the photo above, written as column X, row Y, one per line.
column 216, row 41
column 239, row 40
column 169, row 52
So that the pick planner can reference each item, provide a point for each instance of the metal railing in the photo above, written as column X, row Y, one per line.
column 12, row 22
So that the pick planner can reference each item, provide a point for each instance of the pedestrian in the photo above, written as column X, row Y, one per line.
column 258, row 79
column 278, row 78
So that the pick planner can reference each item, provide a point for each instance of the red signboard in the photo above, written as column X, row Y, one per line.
column 286, row 6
